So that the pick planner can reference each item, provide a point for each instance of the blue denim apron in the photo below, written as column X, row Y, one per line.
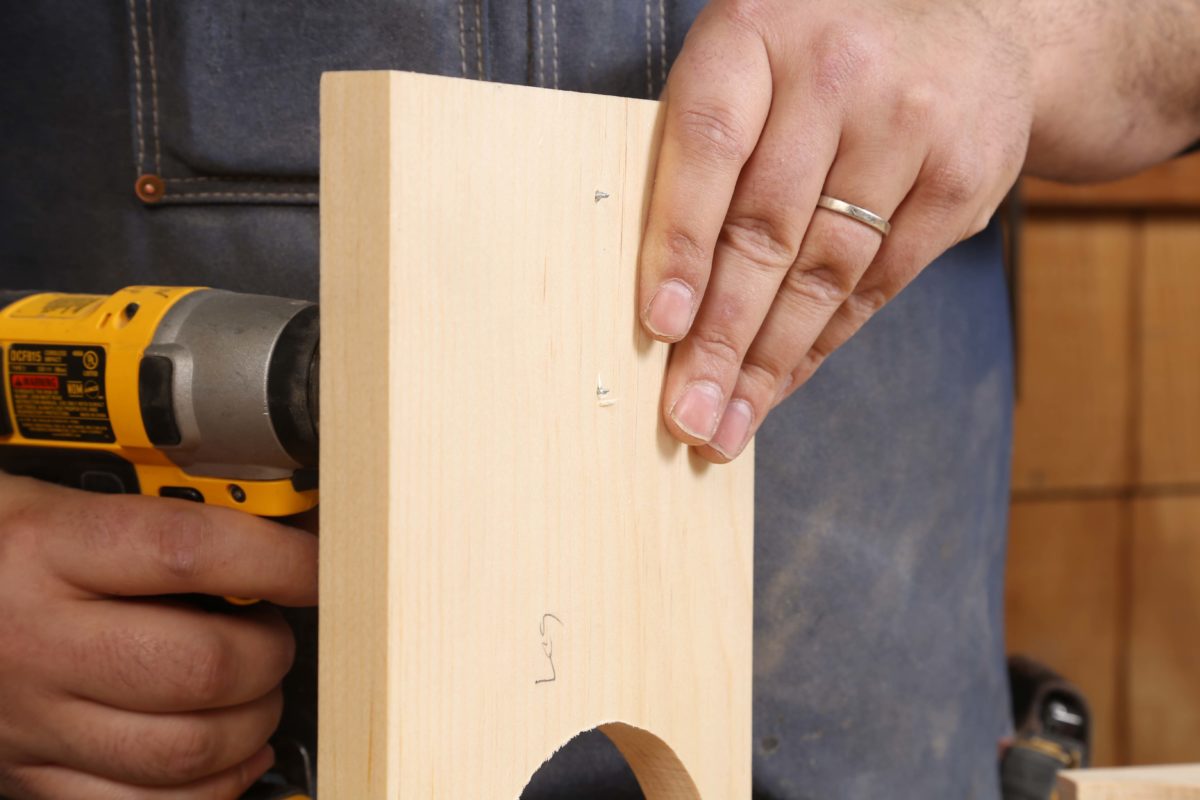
column 882, row 485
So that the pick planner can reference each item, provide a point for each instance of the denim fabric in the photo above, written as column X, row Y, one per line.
column 882, row 485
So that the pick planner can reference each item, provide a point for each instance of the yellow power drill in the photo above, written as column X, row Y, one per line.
column 192, row 393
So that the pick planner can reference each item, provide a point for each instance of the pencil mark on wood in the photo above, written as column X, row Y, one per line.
column 548, row 646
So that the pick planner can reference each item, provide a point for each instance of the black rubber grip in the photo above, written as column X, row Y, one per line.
column 155, row 375
column 92, row 470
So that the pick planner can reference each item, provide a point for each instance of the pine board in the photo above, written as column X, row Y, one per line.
column 1175, row 782
column 508, row 555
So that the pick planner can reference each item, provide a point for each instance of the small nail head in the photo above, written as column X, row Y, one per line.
column 603, row 393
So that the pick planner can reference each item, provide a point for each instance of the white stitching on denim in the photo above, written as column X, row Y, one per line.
column 554, row 36
column 153, row 87
column 137, row 80
column 183, row 195
column 649, row 72
column 251, row 178
column 662, row 44
column 462, row 37
column 541, row 46
column 157, row 138
column 479, row 39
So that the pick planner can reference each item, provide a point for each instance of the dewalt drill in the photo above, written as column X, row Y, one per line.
column 192, row 393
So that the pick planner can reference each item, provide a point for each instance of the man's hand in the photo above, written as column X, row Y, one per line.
column 920, row 111
column 917, row 110
column 108, row 689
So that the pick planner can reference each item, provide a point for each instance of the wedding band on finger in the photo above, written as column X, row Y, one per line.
column 857, row 213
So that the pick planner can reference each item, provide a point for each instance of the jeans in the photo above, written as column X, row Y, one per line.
column 882, row 485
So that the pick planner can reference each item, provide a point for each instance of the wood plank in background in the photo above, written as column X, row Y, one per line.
column 1164, row 657
column 1062, row 601
column 508, row 556
column 1175, row 184
column 1075, row 312
column 1169, row 430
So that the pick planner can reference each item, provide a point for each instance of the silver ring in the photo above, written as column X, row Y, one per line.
column 857, row 213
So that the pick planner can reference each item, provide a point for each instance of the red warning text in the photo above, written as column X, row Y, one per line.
column 44, row 382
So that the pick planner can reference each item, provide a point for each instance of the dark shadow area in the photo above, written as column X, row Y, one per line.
column 588, row 767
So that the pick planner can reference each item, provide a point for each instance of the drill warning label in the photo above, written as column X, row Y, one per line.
column 58, row 392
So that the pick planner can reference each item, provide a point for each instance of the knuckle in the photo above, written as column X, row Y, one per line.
column 808, row 365
column 713, row 133
column 842, row 57
column 717, row 345
column 865, row 302
column 182, row 538
column 187, row 753
column 763, row 377
column 762, row 241
column 914, row 109
column 955, row 183
column 814, row 281
column 684, row 247
column 819, row 353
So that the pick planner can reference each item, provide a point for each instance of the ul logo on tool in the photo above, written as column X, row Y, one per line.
column 91, row 360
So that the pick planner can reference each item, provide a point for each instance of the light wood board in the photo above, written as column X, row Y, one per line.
column 1176, row 782
column 513, row 549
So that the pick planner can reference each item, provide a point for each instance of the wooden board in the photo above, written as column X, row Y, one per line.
column 1164, row 658
column 1175, row 184
column 1176, row 782
column 1063, row 601
column 1170, row 352
column 1075, row 310
column 513, row 549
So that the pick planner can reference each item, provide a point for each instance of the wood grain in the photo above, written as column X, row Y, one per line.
column 1175, row 782
column 1075, row 315
column 1169, row 430
column 1175, row 184
column 1062, row 600
column 508, row 555
column 1164, row 658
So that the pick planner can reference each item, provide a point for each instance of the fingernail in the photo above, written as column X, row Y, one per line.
column 670, row 310
column 734, row 429
column 696, row 411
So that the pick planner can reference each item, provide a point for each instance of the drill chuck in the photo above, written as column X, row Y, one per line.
column 229, row 376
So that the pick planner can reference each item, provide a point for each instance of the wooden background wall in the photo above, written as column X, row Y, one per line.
column 1104, row 558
